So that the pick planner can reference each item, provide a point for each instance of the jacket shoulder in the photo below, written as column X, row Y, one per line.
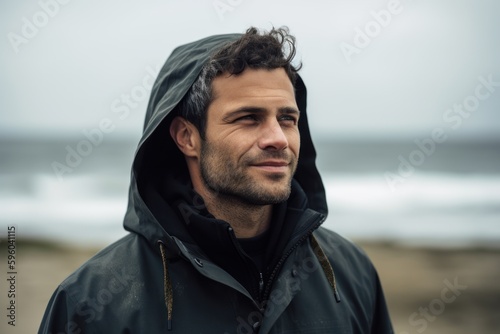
column 357, row 279
column 111, row 277
column 353, row 269
column 340, row 249
column 114, row 256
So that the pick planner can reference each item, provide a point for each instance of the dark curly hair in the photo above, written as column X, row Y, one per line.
column 269, row 50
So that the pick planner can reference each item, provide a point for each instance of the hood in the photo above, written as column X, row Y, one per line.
column 158, row 163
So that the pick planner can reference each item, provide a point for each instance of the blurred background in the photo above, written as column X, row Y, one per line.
column 404, row 108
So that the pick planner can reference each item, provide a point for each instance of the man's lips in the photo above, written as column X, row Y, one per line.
column 272, row 165
column 276, row 163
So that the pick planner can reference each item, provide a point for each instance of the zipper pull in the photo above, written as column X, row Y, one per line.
column 261, row 284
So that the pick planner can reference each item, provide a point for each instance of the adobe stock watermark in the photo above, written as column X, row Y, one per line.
column 453, row 118
column 363, row 36
column 12, row 276
column 221, row 7
column 30, row 27
column 94, row 137
column 420, row 320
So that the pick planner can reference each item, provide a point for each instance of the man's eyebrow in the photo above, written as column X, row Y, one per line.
column 289, row 110
column 250, row 109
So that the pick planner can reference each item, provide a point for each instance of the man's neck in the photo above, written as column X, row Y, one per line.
column 246, row 220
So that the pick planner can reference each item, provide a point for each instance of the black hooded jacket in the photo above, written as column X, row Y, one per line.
column 181, row 270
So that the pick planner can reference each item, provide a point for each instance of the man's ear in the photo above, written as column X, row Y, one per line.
column 186, row 136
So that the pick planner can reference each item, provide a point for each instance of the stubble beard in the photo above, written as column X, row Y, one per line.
column 229, row 181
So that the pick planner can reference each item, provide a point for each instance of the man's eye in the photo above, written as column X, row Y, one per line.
column 247, row 118
column 287, row 118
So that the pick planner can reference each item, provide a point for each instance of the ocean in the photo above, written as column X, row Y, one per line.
column 391, row 191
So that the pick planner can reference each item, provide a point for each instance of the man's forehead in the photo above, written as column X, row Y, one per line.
column 253, row 83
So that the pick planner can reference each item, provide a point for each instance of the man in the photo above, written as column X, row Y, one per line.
column 224, row 212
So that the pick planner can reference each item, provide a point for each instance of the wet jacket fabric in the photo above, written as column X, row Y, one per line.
column 181, row 270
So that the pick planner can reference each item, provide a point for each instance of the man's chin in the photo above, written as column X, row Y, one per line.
column 272, row 196
column 263, row 201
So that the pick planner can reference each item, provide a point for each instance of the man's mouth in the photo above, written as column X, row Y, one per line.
column 275, row 166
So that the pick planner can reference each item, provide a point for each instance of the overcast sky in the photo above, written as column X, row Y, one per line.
column 372, row 68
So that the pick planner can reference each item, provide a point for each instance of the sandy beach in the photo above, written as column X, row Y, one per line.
column 432, row 291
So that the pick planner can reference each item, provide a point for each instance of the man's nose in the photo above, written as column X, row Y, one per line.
column 273, row 137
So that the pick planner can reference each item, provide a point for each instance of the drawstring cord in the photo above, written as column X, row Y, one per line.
column 167, row 286
column 327, row 267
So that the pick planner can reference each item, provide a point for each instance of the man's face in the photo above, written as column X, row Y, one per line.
column 252, row 140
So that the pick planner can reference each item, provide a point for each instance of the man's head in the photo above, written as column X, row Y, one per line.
column 272, row 50
column 238, row 124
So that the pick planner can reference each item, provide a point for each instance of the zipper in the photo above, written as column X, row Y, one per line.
column 257, row 290
column 261, row 285
column 280, row 263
